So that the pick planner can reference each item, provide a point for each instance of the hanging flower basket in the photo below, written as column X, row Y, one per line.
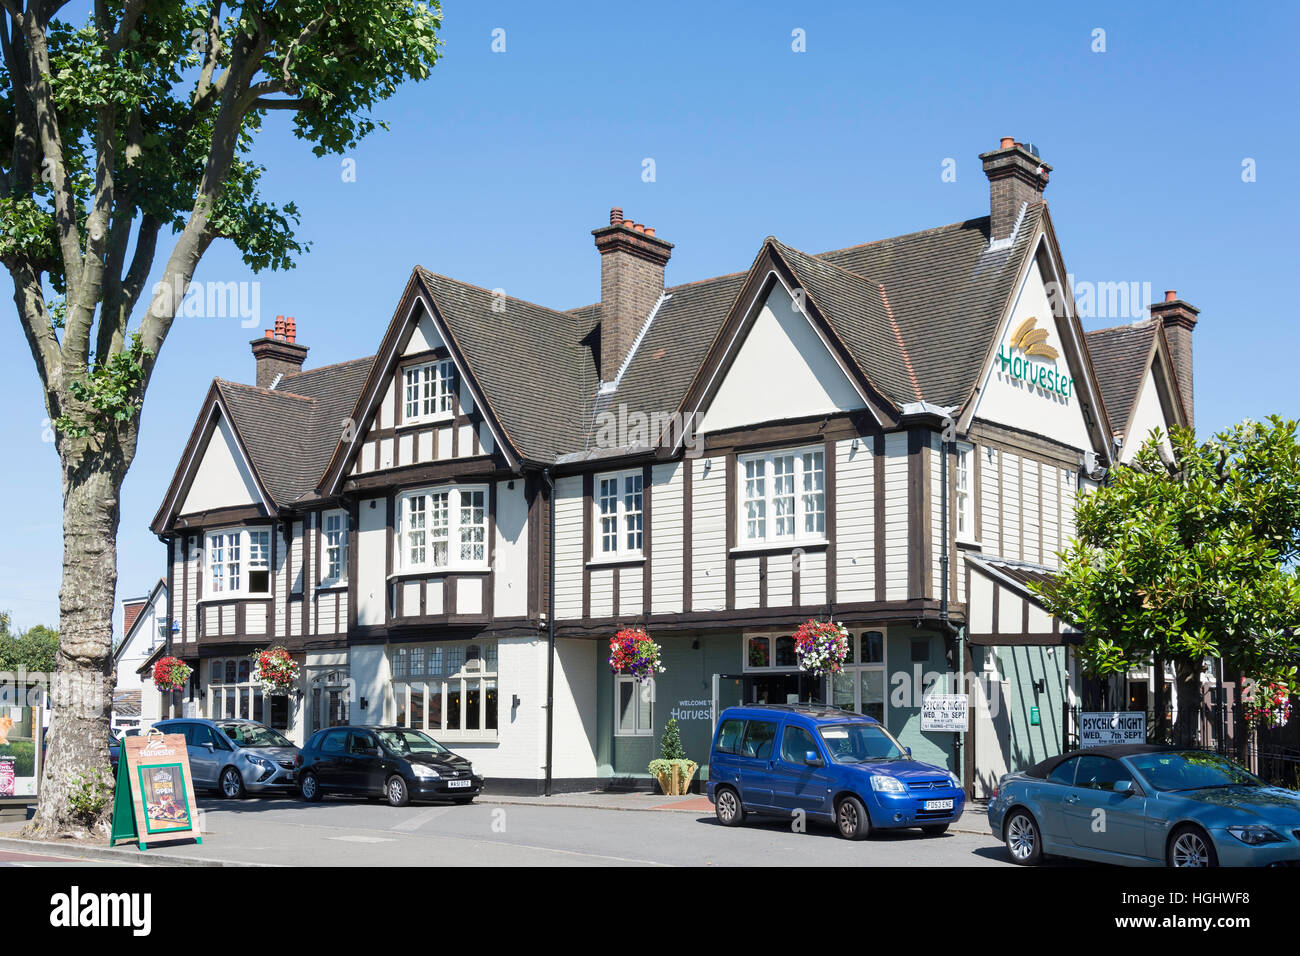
column 1269, row 705
column 171, row 674
column 632, row 652
column 275, row 670
column 821, row 647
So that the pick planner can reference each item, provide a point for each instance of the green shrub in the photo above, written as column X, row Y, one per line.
column 90, row 794
column 670, row 748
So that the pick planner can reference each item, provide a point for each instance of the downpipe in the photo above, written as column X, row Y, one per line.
column 550, row 628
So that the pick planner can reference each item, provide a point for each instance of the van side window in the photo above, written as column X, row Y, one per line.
column 795, row 743
column 729, row 736
column 759, row 736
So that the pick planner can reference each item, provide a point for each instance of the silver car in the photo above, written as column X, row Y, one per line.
column 237, row 757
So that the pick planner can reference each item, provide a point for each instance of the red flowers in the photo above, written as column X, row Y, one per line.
column 171, row 674
column 632, row 651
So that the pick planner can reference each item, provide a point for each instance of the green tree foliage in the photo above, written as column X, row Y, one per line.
column 33, row 650
column 1189, row 554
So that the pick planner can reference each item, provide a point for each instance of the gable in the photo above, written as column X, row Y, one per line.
column 223, row 478
column 782, row 370
column 1148, row 414
column 425, row 336
column 1031, row 385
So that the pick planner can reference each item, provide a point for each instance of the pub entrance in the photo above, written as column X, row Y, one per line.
column 780, row 687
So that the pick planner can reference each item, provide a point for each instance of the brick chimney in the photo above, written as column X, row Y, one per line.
column 277, row 353
column 1016, row 176
column 632, row 264
column 1179, row 319
column 130, row 611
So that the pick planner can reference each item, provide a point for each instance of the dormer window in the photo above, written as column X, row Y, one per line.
column 430, row 391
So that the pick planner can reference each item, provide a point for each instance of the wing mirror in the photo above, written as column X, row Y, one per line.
column 1125, row 787
column 813, row 759
column 210, row 747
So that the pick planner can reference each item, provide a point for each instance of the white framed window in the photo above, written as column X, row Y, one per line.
column 442, row 528
column 449, row 690
column 861, row 685
column 963, row 487
column 239, row 562
column 619, row 526
column 782, row 496
column 429, row 391
column 770, row 652
column 633, row 707
column 334, row 548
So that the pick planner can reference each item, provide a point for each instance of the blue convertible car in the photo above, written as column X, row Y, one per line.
column 1143, row 805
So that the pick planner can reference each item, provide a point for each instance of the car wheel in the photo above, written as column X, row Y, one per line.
column 938, row 829
column 1024, row 842
column 395, row 792
column 1190, row 846
column 727, row 807
column 851, row 819
column 232, row 783
column 309, row 787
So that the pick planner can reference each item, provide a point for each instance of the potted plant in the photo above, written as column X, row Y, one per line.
column 275, row 670
column 632, row 652
column 821, row 647
column 171, row 674
column 674, row 770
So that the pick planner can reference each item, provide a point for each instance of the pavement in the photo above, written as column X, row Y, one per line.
column 585, row 829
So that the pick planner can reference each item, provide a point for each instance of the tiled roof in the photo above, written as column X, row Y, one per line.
column 290, row 431
column 917, row 312
column 1120, row 356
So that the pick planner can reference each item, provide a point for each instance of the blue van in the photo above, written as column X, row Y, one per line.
column 832, row 764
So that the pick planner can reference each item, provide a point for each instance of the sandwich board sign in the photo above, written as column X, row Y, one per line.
column 154, row 801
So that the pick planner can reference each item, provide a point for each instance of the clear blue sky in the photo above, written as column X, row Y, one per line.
column 497, row 168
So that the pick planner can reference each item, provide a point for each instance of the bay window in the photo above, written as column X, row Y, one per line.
column 860, row 685
column 782, row 496
column 334, row 545
column 233, row 694
column 619, row 523
column 429, row 391
column 442, row 529
column 447, row 689
column 239, row 562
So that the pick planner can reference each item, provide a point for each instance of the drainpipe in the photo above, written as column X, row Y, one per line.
column 959, row 657
column 550, row 627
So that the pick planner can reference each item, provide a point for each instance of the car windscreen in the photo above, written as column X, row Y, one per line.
column 861, row 743
column 1179, row 770
column 410, row 742
column 254, row 735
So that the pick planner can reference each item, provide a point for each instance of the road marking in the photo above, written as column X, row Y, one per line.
column 357, row 838
column 419, row 820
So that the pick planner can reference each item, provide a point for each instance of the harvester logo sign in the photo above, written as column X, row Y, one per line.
column 1027, row 342
column 1032, row 340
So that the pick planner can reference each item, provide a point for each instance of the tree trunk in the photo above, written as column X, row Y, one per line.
column 83, row 686
column 1187, row 685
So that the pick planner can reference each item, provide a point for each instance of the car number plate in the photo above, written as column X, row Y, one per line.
column 938, row 804
column 466, row 783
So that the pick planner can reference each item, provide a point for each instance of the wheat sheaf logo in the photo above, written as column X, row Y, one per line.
column 1032, row 340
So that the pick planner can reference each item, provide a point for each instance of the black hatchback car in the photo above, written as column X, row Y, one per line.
column 396, row 763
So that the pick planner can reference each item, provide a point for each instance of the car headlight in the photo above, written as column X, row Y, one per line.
column 1255, row 835
column 261, row 762
column 882, row 784
column 426, row 772
column 952, row 779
